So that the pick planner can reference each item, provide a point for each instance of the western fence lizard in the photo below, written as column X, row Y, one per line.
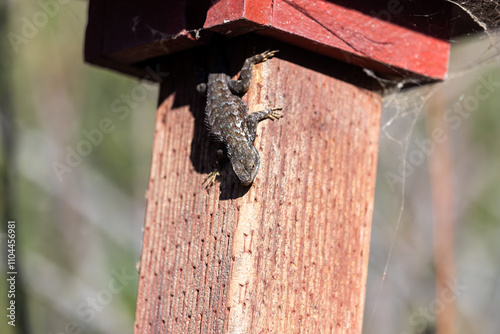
column 227, row 118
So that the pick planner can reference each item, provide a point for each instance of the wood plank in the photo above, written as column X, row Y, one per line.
column 288, row 254
column 360, row 38
column 397, row 38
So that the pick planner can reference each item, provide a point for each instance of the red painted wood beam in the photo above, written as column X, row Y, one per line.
column 388, row 36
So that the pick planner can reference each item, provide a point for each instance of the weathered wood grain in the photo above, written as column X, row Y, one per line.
column 288, row 254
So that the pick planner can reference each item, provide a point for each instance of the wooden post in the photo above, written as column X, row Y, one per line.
column 288, row 254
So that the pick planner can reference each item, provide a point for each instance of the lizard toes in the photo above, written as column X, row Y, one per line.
column 275, row 115
column 210, row 179
column 268, row 54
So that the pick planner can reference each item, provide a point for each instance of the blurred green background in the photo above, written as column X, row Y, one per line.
column 79, row 232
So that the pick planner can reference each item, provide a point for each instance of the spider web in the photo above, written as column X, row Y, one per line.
column 401, row 250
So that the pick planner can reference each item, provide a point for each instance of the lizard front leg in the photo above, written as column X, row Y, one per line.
column 254, row 118
column 240, row 86
column 220, row 161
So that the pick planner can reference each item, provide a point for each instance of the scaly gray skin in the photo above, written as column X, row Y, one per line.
column 227, row 118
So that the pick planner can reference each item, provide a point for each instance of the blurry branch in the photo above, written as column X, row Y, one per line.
column 440, row 173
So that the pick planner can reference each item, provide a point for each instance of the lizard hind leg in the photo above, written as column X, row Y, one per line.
column 201, row 88
column 201, row 78
column 240, row 86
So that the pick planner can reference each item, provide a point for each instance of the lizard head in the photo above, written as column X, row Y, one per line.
column 245, row 161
